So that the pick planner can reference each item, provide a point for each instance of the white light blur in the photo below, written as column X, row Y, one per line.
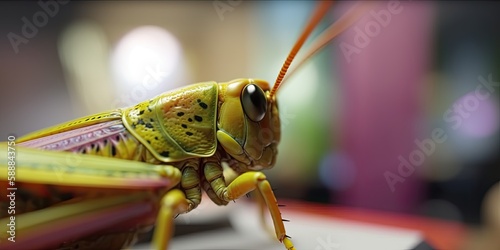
column 84, row 51
column 146, row 62
column 303, row 89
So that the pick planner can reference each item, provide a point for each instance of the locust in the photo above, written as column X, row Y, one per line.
column 99, row 181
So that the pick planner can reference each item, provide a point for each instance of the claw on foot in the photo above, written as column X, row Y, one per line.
column 288, row 244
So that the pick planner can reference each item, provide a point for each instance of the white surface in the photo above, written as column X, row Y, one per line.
column 307, row 232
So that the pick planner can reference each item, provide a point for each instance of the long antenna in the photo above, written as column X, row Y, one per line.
column 317, row 16
column 345, row 21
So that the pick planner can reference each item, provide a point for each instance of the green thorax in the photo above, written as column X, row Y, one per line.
column 177, row 125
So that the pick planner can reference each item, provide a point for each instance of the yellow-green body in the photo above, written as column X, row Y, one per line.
column 186, row 123
column 129, row 168
column 192, row 129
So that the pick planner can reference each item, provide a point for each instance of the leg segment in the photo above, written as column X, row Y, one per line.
column 257, row 196
column 55, row 168
column 190, row 184
column 173, row 203
column 177, row 202
column 244, row 184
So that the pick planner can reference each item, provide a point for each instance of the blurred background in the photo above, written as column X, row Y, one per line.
column 400, row 113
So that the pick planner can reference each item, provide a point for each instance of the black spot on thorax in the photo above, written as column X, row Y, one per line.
column 202, row 104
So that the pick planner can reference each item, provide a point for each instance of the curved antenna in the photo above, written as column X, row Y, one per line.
column 317, row 16
column 344, row 22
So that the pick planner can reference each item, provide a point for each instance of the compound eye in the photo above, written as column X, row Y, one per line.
column 254, row 102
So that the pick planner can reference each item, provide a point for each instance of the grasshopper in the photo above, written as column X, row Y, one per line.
column 98, row 181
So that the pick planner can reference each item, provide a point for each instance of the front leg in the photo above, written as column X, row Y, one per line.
column 242, row 185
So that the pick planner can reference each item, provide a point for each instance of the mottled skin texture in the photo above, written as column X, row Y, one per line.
column 194, row 129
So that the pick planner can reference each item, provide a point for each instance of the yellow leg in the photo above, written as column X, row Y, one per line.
column 173, row 203
column 244, row 184
column 262, row 211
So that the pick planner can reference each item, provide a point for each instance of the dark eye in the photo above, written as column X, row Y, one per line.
column 254, row 102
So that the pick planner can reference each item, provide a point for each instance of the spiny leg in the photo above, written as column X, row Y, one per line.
column 257, row 180
column 244, row 184
column 261, row 203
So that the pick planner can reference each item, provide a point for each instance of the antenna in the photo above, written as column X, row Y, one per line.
column 339, row 26
column 352, row 15
column 317, row 16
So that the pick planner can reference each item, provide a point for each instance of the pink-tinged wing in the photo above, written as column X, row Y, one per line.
column 76, row 138
column 73, row 125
